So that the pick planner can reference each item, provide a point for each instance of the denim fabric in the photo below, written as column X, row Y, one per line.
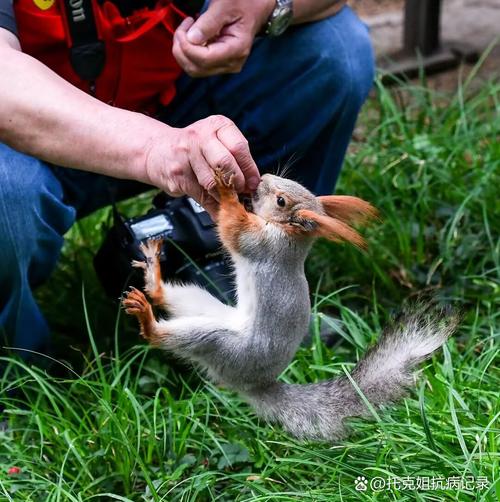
column 33, row 219
column 297, row 99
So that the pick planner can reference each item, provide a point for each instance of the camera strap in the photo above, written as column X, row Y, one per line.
column 87, row 52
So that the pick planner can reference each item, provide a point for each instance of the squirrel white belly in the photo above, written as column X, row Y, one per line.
column 247, row 346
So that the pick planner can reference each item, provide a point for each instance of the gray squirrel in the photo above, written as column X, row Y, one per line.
column 246, row 347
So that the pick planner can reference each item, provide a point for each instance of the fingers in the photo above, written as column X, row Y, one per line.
column 207, row 26
column 210, row 205
column 226, row 54
column 207, row 201
column 220, row 157
column 197, row 182
column 186, row 24
column 232, row 138
column 183, row 162
column 216, row 143
column 200, row 165
column 188, row 184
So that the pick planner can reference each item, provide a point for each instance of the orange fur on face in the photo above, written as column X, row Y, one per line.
column 347, row 208
column 331, row 228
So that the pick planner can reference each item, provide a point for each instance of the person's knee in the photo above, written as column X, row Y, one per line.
column 33, row 217
column 345, row 62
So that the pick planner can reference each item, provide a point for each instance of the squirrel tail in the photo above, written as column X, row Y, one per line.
column 318, row 411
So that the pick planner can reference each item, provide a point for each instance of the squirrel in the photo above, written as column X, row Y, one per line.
column 245, row 347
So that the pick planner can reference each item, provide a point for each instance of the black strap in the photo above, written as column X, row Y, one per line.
column 87, row 53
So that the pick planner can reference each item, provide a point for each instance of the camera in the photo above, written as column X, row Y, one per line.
column 191, row 250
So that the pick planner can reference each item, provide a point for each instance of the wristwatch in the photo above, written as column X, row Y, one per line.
column 280, row 18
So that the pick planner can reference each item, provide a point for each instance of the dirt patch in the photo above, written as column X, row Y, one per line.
column 374, row 7
column 449, row 80
column 474, row 23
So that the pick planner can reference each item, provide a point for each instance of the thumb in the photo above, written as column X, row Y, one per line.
column 207, row 26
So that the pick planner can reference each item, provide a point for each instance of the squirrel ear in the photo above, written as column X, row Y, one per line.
column 319, row 225
column 347, row 208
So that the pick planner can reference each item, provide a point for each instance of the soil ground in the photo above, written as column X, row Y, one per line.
column 473, row 22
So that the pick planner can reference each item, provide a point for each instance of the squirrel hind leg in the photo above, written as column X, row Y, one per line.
column 135, row 303
column 153, row 283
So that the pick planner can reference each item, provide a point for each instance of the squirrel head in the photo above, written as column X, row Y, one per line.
column 301, row 214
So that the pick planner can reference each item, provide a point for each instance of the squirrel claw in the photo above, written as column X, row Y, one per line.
column 134, row 302
column 224, row 184
column 222, row 180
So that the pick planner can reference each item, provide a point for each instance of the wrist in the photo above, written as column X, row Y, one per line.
column 141, row 137
column 266, row 8
column 164, row 157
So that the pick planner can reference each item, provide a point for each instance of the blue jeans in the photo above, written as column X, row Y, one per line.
column 298, row 97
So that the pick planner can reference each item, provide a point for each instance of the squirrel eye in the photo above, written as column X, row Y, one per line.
column 281, row 201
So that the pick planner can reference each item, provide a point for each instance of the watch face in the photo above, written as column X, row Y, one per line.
column 281, row 19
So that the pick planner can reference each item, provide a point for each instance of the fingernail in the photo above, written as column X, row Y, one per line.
column 187, row 21
column 195, row 36
column 253, row 182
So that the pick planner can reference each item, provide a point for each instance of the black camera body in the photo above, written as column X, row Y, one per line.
column 191, row 250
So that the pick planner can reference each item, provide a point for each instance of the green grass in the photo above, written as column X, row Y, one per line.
column 126, row 424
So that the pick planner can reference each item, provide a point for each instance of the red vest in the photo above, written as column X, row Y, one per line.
column 139, row 71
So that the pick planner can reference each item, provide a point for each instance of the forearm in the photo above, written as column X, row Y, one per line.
column 305, row 11
column 44, row 116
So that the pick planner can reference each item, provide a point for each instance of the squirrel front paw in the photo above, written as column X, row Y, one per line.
column 134, row 302
column 225, row 185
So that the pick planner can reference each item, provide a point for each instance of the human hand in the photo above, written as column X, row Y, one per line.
column 182, row 161
column 220, row 40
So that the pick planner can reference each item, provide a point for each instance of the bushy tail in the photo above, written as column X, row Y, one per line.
column 317, row 411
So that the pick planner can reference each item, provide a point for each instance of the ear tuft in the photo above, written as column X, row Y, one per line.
column 347, row 208
column 330, row 228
